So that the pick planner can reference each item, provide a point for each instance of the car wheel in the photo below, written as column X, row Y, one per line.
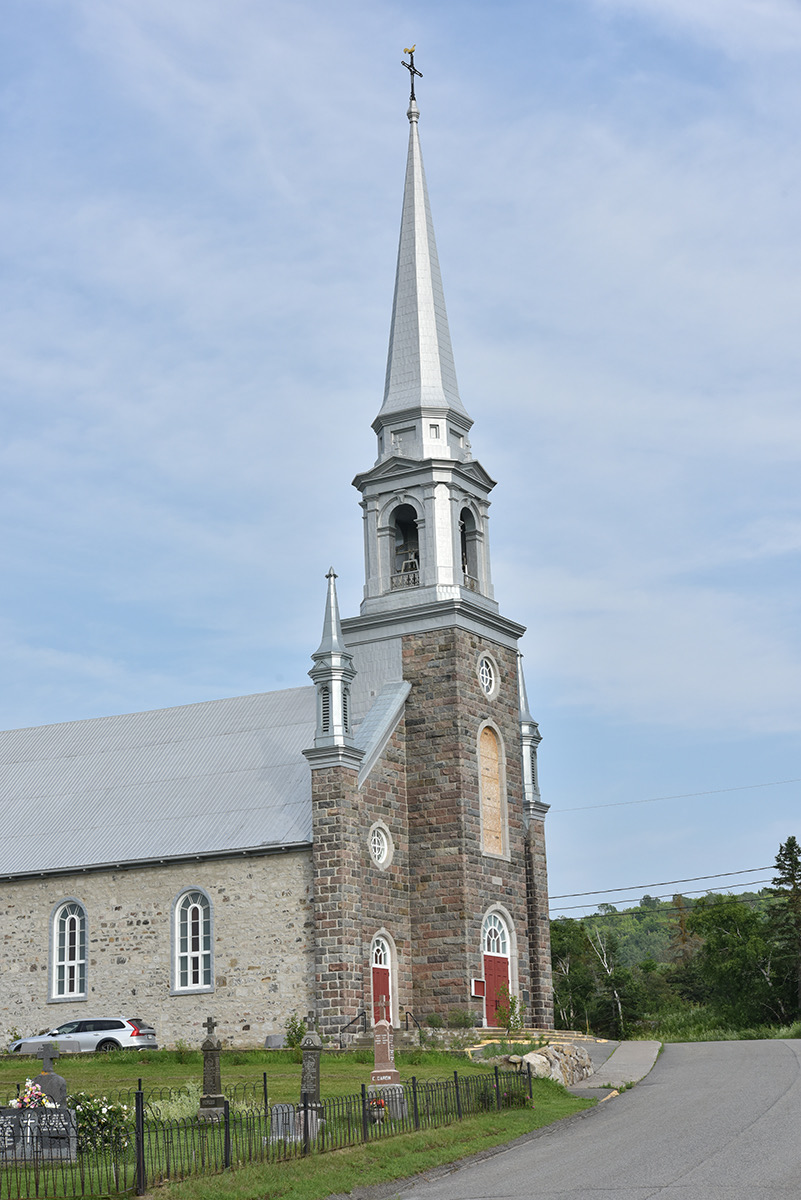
column 108, row 1044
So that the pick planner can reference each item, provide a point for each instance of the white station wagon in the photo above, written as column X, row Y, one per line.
column 100, row 1033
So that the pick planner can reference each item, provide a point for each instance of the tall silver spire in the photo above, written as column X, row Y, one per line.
column 420, row 367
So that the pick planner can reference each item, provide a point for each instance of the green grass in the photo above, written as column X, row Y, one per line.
column 381, row 1161
column 104, row 1074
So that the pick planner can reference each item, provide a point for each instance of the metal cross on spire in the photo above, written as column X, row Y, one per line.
column 411, row 68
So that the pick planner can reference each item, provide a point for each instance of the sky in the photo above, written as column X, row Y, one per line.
column 201, row 203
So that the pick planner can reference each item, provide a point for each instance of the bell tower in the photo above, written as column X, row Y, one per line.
column 471, row 854
column 425, row 500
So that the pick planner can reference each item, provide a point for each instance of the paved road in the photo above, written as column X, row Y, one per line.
column 712, row 1121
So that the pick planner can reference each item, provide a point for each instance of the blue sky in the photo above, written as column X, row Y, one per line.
column 201, row 203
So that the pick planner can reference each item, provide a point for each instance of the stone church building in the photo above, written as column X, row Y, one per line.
column 374, row 839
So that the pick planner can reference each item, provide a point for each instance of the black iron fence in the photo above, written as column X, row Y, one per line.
column 155, row 1149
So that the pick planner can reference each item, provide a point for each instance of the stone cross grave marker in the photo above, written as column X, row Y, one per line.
column 312, row 1048
column 212, row 1101
column 53, row 1085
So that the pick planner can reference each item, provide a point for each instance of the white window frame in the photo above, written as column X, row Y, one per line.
column 69, row 970
column 193, row 965
column 505, row 852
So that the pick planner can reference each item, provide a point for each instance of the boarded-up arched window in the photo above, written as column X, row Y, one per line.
column 493, row 816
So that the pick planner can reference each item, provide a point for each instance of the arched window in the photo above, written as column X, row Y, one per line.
column 468, row 535
column 69, row 944
column 406, row 554
column 193, row 966
column 493, row 801
column 495, row 936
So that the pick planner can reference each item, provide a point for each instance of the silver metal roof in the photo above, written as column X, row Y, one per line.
column 215, row 777
column 420, row 367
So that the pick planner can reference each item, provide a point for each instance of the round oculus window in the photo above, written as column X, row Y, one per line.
column 379, row 846
column 486, row 676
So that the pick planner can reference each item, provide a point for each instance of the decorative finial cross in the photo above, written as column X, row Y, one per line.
column 211, row 1025
column 411, row 68
column 48, row 1052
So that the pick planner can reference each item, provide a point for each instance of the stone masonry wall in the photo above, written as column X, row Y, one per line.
column 385, row 892
column 339, row 972
column 355, row 899
column 453, row 883
column 263, row 953
column 539, row 926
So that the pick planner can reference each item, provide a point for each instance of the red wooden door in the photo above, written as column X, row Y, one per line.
column 381, row 1002
column 496, row 974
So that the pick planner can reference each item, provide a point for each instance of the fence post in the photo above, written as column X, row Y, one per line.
column 305, row 1110
column 364, row 1113
column 264, row 1083
column 530, row 1086
column 458, row 1096
column 139, row 1140
column 227, row 1134
column 415, row 1109
column 498, row 1089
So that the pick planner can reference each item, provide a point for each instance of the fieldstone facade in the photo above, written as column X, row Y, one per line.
column 263, row 932
column 452, row 881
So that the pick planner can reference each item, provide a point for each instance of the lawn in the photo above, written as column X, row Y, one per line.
column 106, row 1074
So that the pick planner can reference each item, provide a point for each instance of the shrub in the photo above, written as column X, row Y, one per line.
column 182, row 1051
column 434, row 1021
column 460, row 1018
column 295, row 1031
column 101, row 1122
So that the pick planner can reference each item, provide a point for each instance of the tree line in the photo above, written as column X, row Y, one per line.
column 737, row 955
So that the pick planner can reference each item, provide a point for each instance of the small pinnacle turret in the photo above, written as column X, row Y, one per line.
column 530, row 738
column 333, row 673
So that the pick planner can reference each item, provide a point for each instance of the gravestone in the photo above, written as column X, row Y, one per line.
column 54, row 1086
column 41, row 1135
column 384, row 1070
column 282, row 1123
column 312, row 1048
column 38, row 1135
column 212, row 1101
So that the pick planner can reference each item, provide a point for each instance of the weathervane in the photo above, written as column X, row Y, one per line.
column 411, row 68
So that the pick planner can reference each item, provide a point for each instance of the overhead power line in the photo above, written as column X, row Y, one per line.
column 663, row 883
column 748, row 787
column 667, row 896
column 658, row 912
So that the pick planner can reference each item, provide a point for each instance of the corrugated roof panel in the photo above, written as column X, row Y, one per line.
column 203, row 778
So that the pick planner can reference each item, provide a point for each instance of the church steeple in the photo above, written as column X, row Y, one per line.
column 421, row 376
column 425, row 499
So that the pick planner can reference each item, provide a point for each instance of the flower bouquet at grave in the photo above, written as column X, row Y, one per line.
column 32, row 1096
